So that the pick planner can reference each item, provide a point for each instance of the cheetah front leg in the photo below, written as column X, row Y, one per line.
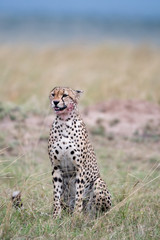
column 79, row 191
column 57, row 190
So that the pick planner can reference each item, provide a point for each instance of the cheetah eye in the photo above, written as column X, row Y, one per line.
column 65, row 95
column 52, row 94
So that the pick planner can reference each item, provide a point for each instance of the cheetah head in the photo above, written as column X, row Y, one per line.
column 63, row 99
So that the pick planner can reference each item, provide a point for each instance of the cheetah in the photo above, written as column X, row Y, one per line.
column 77, row 184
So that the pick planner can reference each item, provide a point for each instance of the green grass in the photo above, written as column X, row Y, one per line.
column 133, row 182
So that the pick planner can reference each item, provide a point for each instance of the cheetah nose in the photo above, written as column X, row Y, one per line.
column 56, row 102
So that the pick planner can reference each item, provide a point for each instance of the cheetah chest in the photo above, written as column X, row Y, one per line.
column 65, row 147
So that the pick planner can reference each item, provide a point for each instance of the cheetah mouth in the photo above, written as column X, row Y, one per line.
column 58, row 109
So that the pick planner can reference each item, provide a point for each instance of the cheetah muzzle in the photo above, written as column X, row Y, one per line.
column 77, row 185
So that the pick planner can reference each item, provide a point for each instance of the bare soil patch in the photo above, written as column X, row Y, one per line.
column 122, row 120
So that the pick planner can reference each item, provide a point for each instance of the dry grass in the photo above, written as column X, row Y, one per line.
column 129, row 166
column 27, row 75
column 133, row 179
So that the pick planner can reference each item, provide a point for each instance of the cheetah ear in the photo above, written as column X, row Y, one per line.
column 79, row 92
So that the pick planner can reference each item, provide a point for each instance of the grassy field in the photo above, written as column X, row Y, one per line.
column 129, row 165
column 27, row 75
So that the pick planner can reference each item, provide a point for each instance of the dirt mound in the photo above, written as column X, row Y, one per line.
column 123, row 117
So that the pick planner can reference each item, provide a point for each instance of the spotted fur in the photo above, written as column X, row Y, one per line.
column 76, row 179
column 16, row 199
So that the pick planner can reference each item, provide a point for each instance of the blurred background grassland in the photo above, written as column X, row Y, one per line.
column 104, row 72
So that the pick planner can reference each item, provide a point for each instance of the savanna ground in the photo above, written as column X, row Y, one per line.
column 124, row 132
